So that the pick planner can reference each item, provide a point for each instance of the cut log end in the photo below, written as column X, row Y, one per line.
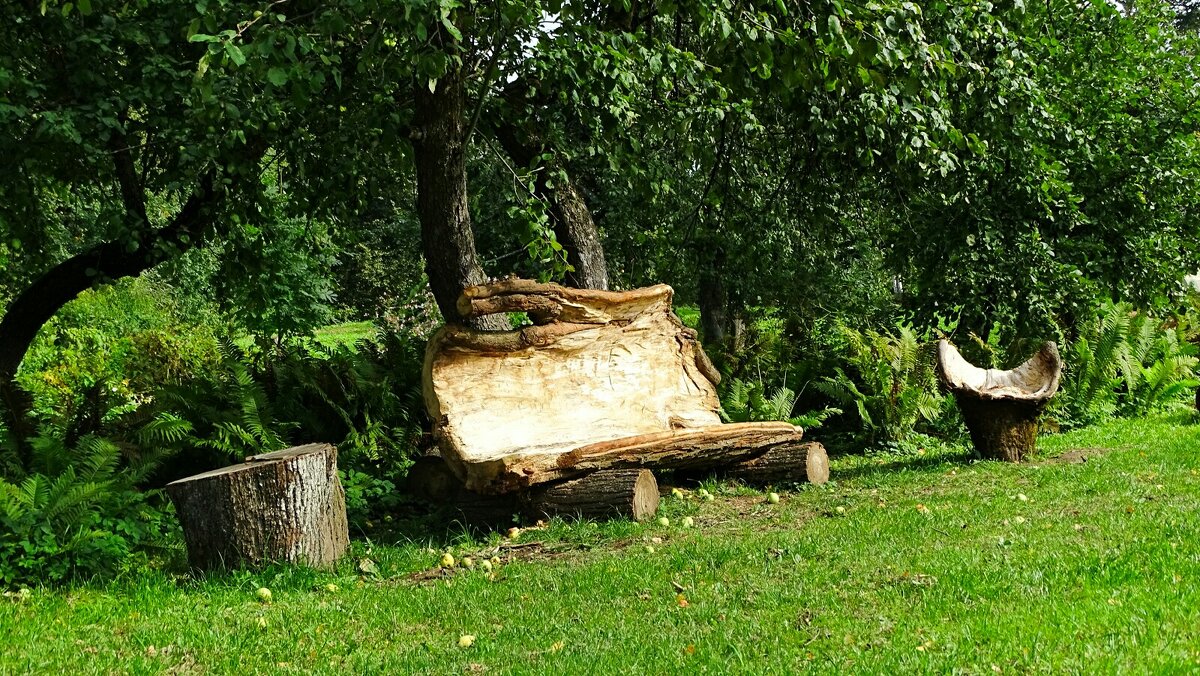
column 287, row 506
column 631, row 493
column 806, row 462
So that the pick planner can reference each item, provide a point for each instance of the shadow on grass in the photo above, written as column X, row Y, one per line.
column 872, row 466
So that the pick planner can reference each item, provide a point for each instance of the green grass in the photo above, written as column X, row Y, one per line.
column 333, row 335
column 345, row 334
column 932, row 564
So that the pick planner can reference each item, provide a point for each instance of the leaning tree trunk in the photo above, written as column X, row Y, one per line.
column 439, row 151
column 287, row 506
column 576, row 230
column 38, row 303
column 574, row 226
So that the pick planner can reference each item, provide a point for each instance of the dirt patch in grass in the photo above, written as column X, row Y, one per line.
column 1078, row 456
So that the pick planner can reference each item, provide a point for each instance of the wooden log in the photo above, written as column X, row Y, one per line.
column 704, row 448
column 630, row 493
column 287, row 506
column 584, row 306
column 789, row 462
column 610, row 493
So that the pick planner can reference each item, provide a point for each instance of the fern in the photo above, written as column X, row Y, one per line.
column 1125, row 362
column 58, row 520
column 893, row 386
column 746, row 402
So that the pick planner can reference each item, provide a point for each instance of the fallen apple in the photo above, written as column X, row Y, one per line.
column 447, row 560
column 773, row 498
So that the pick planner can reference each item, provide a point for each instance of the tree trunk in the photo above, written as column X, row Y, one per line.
column 713, row 301
column 287, row 506
column 439, row 152
column 610, row 493
column 574, row 226
column 807, row 462
column 1001, row 430
column 577, row 232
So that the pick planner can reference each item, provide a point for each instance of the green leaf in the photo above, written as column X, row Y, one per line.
column 278, row 76
column 451, row 29
column 235, row 54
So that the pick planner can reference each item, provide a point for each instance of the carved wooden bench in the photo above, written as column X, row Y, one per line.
column 600, row 381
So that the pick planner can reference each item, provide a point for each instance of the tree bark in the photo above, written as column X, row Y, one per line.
column 610, row 493
column 287, row 506
column 807, row 462
column 439, row 152
column 574, row 226
column 1001, row 429
column 714, row 301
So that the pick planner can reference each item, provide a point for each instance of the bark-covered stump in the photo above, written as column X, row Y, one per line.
column 1001, row 430
column 287, row 506
column 1001, row 408
column 604, row 494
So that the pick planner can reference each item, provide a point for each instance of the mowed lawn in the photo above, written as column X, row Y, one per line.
column 920, row 563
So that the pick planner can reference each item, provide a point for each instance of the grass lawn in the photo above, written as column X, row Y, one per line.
column 333, row 335
column 345, row 334
column 919, row 563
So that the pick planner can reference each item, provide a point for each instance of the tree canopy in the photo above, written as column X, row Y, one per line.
column 977, row 159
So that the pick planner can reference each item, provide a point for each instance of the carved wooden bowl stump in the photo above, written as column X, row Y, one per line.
column 1001, row 408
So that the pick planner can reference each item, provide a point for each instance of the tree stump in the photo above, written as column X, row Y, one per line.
column 608, row 493
column 1001, row 430
column 287, row 506
column 1001, row 408
column 796, row 462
